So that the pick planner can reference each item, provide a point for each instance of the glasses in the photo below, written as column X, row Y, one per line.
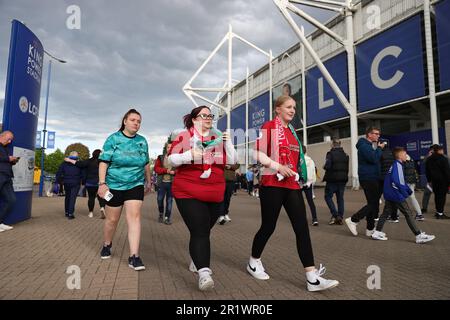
column 206, row 116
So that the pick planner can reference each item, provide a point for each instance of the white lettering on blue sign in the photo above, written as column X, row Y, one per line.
column 375, row 68
column 322, row 103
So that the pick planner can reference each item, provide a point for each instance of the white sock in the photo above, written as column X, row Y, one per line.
column 311, row 276
column 204, row 271
column 253, row 261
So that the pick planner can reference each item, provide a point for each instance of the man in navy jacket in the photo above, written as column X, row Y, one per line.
column 396, row 191
column 7, row 196
column 71, row 175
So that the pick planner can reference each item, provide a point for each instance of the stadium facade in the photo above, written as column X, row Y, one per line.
column 392, row 82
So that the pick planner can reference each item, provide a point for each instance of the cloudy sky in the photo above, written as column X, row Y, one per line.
column 138, row 53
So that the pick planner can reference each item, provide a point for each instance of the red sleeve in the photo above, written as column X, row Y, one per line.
column 158, row 167
column 181, row 143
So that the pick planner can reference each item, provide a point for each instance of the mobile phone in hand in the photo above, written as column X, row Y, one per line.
column 108, row 196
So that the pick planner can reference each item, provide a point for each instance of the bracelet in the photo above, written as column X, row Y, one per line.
column 101, row 183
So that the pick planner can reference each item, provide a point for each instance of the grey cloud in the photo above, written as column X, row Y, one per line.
column 139, row 53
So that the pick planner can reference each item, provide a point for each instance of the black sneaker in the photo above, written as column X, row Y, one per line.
column 70, row 216
column 315, row 223
column 135, row 263
column 160, row 219
column 441, row 216
column 106, row 251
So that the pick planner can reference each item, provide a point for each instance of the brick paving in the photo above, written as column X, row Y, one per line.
column 35, row 255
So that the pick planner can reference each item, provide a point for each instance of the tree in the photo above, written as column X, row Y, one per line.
column 37, row 157
column 83, row 151
column 53, row 161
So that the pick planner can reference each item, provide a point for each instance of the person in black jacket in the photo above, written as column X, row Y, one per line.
column 336, row 177
column 386, row 161
column 438, row 175
column 72, row 180
column 90, row 168
column 7, row 195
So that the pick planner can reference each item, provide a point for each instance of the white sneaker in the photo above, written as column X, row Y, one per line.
column 378, row 235
column 423, row 237
column 227, row 218
column 193, row 268
column 256, row 269
column 369, row 233
column 321, row 283
column 91, row 215
column 5, row 227
column 221, row 220
column 351, row 226
column 205, row 282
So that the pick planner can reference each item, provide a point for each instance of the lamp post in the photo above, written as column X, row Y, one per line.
column 41, row 182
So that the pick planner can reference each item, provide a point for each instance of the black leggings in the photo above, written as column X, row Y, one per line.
column 92, row 193
column 199, row 217
column 272, row 199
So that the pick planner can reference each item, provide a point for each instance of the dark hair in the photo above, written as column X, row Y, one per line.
column 336, row 143
column 187, row 119
column 437, row 148
column 397, row 150
column 370, row 129
column 287, row 85
column 96, row 153
column 125, row 117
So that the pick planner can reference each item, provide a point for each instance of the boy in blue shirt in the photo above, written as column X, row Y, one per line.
column 396, row 191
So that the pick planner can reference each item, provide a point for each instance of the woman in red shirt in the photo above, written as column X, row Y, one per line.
column 200, row 154
column 278, row 150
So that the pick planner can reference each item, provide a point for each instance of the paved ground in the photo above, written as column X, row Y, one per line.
column 35, row 255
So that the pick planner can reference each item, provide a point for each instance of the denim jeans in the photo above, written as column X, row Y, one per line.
column 165, row 190
column 337, row 188
column 7, row 196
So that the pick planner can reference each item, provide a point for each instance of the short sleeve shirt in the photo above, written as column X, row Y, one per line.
column 127, row 158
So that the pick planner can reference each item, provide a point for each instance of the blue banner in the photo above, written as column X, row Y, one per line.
column 417, row 145
column 38, row 139
column 322, row 103
column 51, row 140
column 21, row 111
column 222, row 123
column 443, row 40
column 238, row 118
column 390, row 66
column 238, row 124
column 258, row 113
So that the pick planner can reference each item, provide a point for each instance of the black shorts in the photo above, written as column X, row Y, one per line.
column 120, row 196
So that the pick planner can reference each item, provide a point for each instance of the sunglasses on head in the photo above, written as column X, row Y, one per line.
column 206, row 116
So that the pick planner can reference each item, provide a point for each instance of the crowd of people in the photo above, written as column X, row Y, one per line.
column 198, row 168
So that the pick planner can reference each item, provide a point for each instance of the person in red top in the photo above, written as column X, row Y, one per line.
column 199, row 155
column 278, row 150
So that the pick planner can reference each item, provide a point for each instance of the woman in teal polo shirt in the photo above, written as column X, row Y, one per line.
column 124, row 171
